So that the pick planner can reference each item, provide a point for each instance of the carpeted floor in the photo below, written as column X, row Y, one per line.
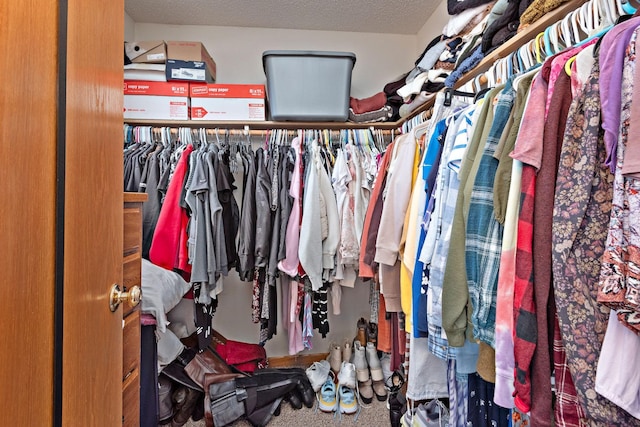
column 375, row 415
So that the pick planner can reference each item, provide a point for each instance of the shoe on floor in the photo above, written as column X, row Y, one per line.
column 432, row 414
column 377, row 377
column 347, row 375
column 335, row 357
column 362, row 372
column 318, row 373
column 361, row 334
column 385, row 363
column 397, row 406
column 348, row 401
column 294, row 399
column 327, row 398
column 408, row 419
column 347, row 351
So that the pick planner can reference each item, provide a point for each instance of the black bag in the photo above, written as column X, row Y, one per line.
column 227, row 402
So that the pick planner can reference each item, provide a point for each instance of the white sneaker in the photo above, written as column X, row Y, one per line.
column 328, row 397
column 348, row 400
column 318, row 373
column 347, row 375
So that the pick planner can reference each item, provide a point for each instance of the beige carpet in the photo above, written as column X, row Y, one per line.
column 376, row 415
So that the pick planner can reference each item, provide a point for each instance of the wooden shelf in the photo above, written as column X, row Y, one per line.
column 524, row 36
column 264, row 125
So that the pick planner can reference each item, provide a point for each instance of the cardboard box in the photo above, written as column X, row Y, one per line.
column 188, row 71
column 191, row 51
column 149, row 52
column 227, row 102
column 156, row 100
column 149, row 72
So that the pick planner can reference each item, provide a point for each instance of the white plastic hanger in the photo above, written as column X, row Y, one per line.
column 565, row 31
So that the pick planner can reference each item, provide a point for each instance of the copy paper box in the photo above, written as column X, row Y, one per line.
column 227, row 102
column 156, row 100
column 191, row 51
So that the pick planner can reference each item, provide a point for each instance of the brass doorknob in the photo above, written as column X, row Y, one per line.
column 117, row 296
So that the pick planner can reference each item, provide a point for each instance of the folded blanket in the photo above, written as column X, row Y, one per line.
column 381, row 115
column 365, row 105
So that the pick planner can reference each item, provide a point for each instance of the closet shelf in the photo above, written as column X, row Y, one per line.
column 524, row 36
column 264, row 125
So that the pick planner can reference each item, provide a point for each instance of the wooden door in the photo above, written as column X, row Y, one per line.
column 60, row 211
column 92, row 350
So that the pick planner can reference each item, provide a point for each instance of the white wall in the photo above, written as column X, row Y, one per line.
column 380, row 58
column 129, row 28
column 433, row 27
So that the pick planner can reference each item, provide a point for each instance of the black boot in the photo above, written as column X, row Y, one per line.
column 397, row 406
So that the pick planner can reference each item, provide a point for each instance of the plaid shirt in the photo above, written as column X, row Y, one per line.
column 524, row 342
column 568, row 410
column 484, row 233
column 440, row 227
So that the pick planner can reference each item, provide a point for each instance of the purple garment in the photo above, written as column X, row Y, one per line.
column 612, row 49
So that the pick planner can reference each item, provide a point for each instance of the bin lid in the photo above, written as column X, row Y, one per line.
column 350, row 55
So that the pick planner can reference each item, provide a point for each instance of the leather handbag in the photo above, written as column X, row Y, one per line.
column 206, row 362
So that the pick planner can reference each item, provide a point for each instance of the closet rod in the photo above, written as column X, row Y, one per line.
column 265, row 125
column 510, row 46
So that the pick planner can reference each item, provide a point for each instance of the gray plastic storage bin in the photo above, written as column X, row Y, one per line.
column 308, row 85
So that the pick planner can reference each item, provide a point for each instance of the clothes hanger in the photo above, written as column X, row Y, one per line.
column 565, row 31
column 524, row 57
column 513, row 64
column 381, row 142
column 627, row 7
column 568, row 64
column 546, row 40
column 610, row 12
column 553, row 38
column 421, row 129
column 538, row 45
column 575, row 27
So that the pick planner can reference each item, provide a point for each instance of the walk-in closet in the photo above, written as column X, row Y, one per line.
column 389, row 213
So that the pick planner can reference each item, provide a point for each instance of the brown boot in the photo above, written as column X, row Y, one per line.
column 184, row 408
column 361, row 334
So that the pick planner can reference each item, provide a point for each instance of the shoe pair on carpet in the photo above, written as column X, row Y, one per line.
column 332, row 397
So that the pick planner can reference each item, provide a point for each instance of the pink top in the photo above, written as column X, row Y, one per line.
column 290, row 263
